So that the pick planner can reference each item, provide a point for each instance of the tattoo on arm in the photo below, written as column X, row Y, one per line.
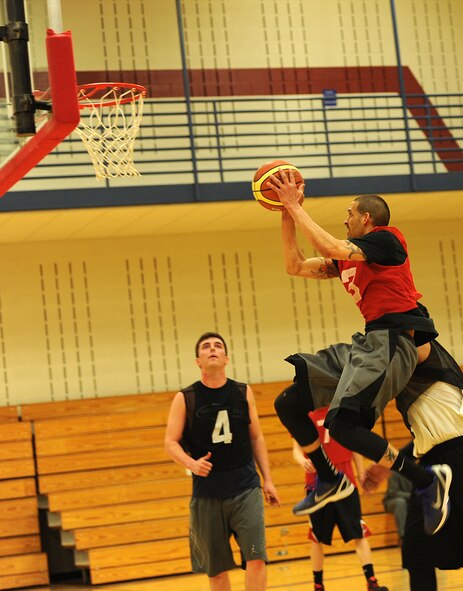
column 326, row 270
column 354, row 249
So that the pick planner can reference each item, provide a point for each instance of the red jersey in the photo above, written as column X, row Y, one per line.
column 340, row 456
column 380, row 289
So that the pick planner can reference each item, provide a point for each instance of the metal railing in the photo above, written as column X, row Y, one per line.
column 224, row 140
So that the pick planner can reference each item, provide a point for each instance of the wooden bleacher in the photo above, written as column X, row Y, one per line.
column 22, row 564
column 123, row 505
column 101, row 465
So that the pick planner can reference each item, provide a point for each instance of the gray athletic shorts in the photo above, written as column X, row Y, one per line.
column 212, row 523
column 362, row 376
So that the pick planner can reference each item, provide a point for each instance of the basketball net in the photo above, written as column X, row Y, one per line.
column 109, row 131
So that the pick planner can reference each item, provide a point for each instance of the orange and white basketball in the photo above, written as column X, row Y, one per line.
column 262, row 192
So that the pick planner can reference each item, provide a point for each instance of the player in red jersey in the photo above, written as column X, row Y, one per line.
column 357, row 380
column 346, row 513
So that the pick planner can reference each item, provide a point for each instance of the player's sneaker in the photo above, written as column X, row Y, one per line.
column 372, row 585
column 435, row 497
column 324, row 493
column 319, row 587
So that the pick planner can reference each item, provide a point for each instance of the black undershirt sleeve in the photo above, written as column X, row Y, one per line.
column 382, row 248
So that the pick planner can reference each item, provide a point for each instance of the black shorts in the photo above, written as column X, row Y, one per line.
column 444, row 549
column 346, row 514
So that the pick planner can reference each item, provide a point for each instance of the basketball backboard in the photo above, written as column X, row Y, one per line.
column 32, row 124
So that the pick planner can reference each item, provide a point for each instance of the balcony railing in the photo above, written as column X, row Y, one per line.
column 224, row 140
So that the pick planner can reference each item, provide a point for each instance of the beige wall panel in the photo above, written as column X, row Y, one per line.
column 142, row 34
column 106, row 40
column 290, row 34
column 101, row 317
column 117, row 34
column 431, row 42
column 436, row 251
column 155, row 303
column 364, row 29
column 162, row 34
column 90, row 42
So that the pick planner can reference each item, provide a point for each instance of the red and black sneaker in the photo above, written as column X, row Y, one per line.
column 319, row 587
column 373, row 585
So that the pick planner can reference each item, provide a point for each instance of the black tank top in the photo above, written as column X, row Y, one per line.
column 218, row 421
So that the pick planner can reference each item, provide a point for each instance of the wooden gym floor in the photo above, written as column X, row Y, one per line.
column 342, row 572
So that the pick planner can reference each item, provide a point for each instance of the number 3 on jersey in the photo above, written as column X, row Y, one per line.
column 222, row 433
column 348, row 277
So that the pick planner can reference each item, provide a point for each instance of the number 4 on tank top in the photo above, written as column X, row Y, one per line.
column 222, row 433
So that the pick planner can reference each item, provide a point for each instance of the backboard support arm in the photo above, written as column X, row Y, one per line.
column 65, row 115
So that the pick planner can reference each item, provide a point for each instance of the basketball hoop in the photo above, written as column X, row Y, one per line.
column 109, row 132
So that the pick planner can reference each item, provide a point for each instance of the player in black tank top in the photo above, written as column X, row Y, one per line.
column 213, row 430
column 218, row 421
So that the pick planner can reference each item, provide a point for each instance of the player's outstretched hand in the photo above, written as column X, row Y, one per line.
column 374, row 475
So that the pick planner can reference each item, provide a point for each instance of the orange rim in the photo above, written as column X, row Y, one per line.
column 94, row 93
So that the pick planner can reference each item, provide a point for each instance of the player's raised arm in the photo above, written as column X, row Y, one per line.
column 295, row 261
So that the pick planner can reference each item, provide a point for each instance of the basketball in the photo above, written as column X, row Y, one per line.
column 262, row 192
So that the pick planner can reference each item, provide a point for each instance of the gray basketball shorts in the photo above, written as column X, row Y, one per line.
column 212, row 523
column 362, row 376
